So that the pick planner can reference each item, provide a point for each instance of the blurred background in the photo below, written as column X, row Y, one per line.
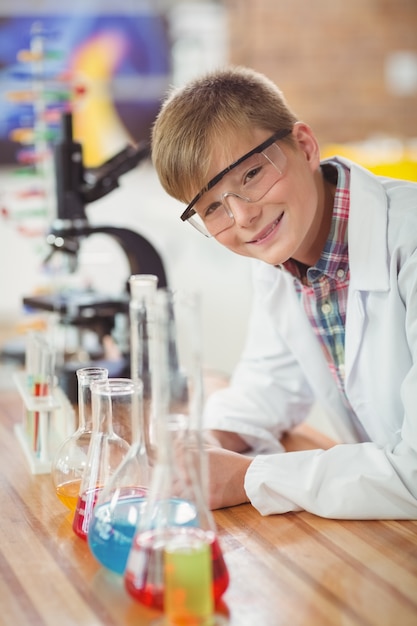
column 349, row 69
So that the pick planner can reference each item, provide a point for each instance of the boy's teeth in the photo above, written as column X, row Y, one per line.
column 271, row 229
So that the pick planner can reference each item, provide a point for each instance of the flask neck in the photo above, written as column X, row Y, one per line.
column 143, row 288
column 85, row 414
column 142, row 291
column 102, row 415
column 85, row 377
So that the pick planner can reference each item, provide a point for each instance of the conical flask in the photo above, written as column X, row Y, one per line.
column 176, row 563
column 121, row 502
column 113, row 401
column 142, row 293
column 70, row 459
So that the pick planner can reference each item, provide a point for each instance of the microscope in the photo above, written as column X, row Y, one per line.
column 77, row 186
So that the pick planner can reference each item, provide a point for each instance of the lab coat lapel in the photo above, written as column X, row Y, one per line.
column 296, row 331
column 368, row 257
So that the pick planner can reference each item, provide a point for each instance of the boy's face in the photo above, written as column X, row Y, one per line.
column 292, row 219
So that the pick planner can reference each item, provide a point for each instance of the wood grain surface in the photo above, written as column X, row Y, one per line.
column 294, row 569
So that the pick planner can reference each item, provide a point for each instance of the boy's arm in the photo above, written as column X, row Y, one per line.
column 224, row 439
column 302, row 437
column 228, row 468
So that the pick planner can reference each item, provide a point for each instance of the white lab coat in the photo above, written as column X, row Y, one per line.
column 283, row 371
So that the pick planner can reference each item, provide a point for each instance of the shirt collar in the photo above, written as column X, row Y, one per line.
column 334, row 260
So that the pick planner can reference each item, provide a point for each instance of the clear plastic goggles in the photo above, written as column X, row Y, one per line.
column 248, row 179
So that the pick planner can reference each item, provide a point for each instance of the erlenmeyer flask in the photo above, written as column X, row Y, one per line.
column 113, row 400
column 70, row 459
column 176, row 536
column 120, row 503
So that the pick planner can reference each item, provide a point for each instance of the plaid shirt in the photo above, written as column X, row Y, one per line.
column 323, row 289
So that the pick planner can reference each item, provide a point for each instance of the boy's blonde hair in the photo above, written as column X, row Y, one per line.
column 207, row 112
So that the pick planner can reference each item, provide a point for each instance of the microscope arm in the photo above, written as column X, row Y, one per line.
column 142, row 256
column 106, row 177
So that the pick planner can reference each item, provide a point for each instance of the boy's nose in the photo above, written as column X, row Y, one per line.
column 244, row 211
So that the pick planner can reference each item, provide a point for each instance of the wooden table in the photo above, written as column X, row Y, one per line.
column 294, row 569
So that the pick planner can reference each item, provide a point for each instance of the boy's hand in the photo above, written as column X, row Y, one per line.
column 227, row 471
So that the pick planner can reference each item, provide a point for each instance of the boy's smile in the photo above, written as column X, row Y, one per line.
column 267, row 232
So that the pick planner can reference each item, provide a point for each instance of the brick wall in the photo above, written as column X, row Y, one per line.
column 329, row 57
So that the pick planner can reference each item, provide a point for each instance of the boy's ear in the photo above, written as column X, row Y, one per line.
column 308, row 143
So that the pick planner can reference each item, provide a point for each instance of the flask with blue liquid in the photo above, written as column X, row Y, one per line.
column 114, row 401
column 121, row 502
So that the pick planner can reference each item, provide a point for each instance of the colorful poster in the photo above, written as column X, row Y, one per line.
column 111, row 67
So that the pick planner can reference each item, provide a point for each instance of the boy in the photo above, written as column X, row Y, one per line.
column 334, row 316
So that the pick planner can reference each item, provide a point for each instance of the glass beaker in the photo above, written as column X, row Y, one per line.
column 70, row 459
column 176, row 533
column 121, row 502
column 113, row 400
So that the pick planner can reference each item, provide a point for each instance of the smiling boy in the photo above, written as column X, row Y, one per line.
column 334, row 316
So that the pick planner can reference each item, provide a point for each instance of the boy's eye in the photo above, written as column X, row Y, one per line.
column 210, row 210
column 251, row 174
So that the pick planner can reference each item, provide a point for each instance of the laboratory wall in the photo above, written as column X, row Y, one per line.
column 348, row 68
column 158, row 44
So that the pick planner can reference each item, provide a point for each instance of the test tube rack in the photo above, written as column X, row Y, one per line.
column 55, row 417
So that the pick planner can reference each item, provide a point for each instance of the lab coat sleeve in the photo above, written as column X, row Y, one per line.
column 268, row 394
column 348, row 481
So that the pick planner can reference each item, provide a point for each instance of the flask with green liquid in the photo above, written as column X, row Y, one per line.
column 175, row 563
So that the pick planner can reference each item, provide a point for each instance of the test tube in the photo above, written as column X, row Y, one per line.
column 40, row 367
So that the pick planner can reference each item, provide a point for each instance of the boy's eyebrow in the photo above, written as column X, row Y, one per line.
column 279, row 134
